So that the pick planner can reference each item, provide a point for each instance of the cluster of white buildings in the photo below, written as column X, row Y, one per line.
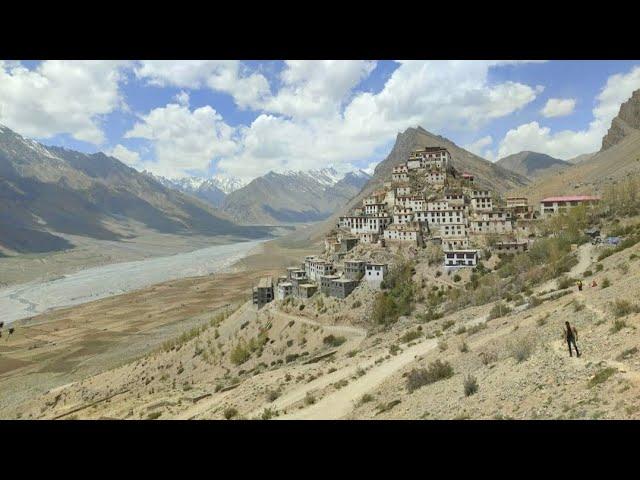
column 428, row 200
column 318, row 274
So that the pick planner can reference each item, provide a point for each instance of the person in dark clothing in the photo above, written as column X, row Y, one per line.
column 579, row 285
column 571, row 335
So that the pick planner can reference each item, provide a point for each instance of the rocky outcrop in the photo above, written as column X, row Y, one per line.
column 627, row 121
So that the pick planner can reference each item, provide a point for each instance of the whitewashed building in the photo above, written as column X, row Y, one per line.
column 461, row 258
column 374, row 274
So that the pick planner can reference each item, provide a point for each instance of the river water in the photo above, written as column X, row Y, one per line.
column 26, row 300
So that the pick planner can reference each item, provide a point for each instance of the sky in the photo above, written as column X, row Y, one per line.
column 242, row 119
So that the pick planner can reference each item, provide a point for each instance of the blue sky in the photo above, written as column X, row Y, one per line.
column 244, row 118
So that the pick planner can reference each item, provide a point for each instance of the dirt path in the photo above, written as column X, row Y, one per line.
column 340, row 403
column 357, row 334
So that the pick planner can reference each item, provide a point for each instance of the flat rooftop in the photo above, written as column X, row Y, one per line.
column 570, row 198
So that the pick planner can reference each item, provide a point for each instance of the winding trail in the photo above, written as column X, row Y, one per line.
column 340, row 403
column 357, row 336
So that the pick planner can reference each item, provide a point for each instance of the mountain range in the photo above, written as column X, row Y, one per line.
column 618, row 159
column 293, row 196
column 46, row 192
column 212, row 190
column 532, row 164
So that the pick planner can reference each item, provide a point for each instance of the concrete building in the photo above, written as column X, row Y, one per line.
column 374, row 273
column 374, row 208
column 454, row 230
column 438, row 205
column 481, row 201
column 284, row 290
column 399, row 177
column 347, row 244
column 511, row 247
column 402, row 215
column 307, row 290
column 263, row 292
column 491, row 226
column 408, row 232
column 435, row 178
column 553, row 205
column 316, row 267
column 461, row 258
column 454, row 198
column 325, row 283
column 354, row 269
column 403, row 191
column 368, row 224
column 440, row 216
column 342, row 287
column 455, row 243
column 369, row 238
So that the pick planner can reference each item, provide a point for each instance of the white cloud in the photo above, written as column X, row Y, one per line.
column 479, row 147
column 182, row 98
column 558, row 107
column 229, row 76
column 184, row 139
column 122, row 153
column 317, row 117
column 417, row 93
column 570, row 143
column 317, row 88
column 60, row 97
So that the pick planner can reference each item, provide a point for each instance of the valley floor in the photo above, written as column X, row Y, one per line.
column 69, row 344
column 324, row 361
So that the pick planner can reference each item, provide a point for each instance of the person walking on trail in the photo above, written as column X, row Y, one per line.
column 594, row 283
column 579, row 285
column 571, row 335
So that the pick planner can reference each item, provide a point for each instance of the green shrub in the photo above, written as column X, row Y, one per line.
column 617, row 326
column 272, row 395
column 605, row 283
column 301, row 307
column 366, row 398
column 309, row 399
column 476, row 328
column 448, row 324
column 230, row 412
column 409, row 336
column 565, row 282
column 154, row 415
column 488, row 357
column 240, row 354
column 464, row 348
column 357, row 304
column 394, row 349
column 622, row 308
column 333, row 341
column 601, row 376
column 457, row 278
column 470, row 384
column 599, row 267
column 499, row 310
column 398, row 300
column 436, row 371
column 521, row 348
column 268, row 414
column 627, row 353
column 587, row 273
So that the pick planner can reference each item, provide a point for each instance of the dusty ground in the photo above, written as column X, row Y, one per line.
column 325, row 361
column 65, row 345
